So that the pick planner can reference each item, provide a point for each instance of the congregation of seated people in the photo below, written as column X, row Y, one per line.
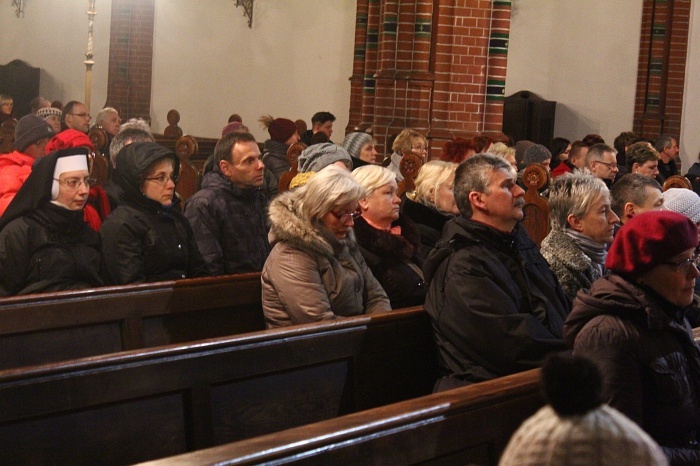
column 354, row 233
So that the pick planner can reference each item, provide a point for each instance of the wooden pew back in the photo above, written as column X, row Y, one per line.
column 50, row 327
column 142, row 405
column 469, row 425
column 536, row 208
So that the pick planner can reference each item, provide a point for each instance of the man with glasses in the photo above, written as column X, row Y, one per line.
column 76, row 116
column 228, row 213
column 601, row 160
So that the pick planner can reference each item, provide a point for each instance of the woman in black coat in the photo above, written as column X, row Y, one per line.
column 388, row 242
column 147, row 239
column 45, row 245
column 431, row 203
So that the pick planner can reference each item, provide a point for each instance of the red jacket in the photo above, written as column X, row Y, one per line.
column 15, row 167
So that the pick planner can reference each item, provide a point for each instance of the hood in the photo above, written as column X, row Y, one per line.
column 286, row 225
column 132, row 162
column 610, row 295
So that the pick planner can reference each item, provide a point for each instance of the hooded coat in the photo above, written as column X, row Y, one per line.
column 229, row 225
column 310, row 275
column 495, row 306
column 143, row 241
column 650, row 363
column 393, row 260
column 45, row 247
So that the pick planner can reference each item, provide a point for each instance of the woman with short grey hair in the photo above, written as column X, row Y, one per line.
column 389, row 242
column 315, row 270
column 582, row 224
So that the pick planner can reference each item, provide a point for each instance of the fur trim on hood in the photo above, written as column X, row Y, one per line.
column 287, row 225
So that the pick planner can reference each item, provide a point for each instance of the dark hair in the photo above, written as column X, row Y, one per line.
column 319, row 138
column 592, row 139
column 557, row 147
column 224, row 148
column 576, row 147
column 68, row 108
column 235, row 117
column 621, row 142
column 630, row 188
column 456, row 150
column 322, row 117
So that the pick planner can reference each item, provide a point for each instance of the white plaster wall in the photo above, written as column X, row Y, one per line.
column 295, row 61
column 690, row 124
column 583, row 54
column 52, row 35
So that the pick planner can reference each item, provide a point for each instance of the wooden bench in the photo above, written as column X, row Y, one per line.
column 536, row 208
column 143, row 405
column 51, row 327
column 469, row 425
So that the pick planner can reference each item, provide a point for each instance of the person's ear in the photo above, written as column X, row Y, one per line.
column 574, row 222
column 629, row 210
column 477, row 200
column 364, row 205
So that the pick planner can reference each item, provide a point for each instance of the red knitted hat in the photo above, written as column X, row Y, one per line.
column 281, row 129
column 649, row 239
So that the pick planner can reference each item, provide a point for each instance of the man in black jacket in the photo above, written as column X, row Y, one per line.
column 228, row 213
column 495, row 305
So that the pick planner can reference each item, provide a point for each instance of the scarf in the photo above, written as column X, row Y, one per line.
column 595, row 251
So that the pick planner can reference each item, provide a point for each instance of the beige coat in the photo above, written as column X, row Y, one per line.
column 310, row 275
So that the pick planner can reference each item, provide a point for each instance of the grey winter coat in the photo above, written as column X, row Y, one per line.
column 310, row 275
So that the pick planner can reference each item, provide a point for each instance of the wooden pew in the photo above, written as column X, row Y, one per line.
column 49, row 327
column 143, row 405
column 469, row 425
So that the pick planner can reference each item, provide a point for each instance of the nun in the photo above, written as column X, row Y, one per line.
column 45, row 245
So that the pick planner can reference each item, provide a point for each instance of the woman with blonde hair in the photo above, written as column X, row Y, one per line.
column 432, row 203
column 389, row 242
column 408, row 140
column 315, row 270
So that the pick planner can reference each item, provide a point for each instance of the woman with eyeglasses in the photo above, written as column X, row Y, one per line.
column 633, row 324
column 315, row 270
column 44, row 243
column 389, row 242
column 408, row 140
column 147, row 239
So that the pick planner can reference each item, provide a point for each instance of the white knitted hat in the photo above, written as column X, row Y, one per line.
column 576, row 428
column 684, row 201
column 601, row 437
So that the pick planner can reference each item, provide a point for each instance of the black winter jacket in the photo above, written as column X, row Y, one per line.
column 650, row 363
column 392, row 260
column 229, row 225
column 50, row 249
column 429, row 223
column 142, row 241
column 495, row 305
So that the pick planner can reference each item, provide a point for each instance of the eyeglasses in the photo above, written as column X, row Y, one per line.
column 81, row 115
column 685, row 265
column 612, row 166
column 163, row 178
column 419, row 148
column 74, row 183
column 343, row 216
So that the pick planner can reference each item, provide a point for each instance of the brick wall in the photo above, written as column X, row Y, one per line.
column 661, row 73
column 437, row 66
column 131, row 57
